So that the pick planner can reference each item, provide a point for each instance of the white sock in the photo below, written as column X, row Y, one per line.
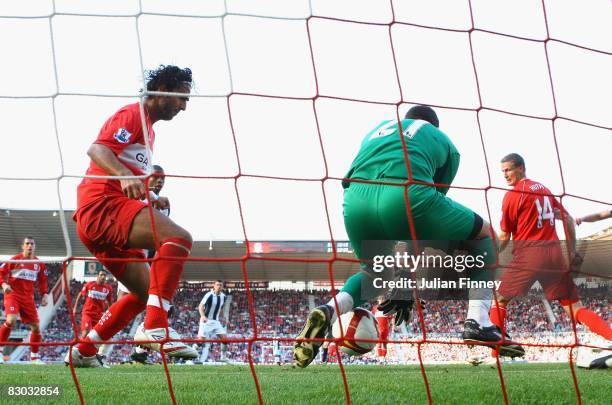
column 479, row 306
column 105, row 349
column 345, row 304
column 204, row 354
column 154, row 301
column 94, row 337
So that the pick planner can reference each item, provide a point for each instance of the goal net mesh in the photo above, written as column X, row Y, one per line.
column 286, row 90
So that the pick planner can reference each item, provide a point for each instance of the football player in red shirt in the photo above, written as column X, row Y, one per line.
column 18, row 281
column 332, row 348
column 114, row 223
column 97, row 294
column 528, row 217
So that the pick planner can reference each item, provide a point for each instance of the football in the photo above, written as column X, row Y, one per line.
column 357, row 324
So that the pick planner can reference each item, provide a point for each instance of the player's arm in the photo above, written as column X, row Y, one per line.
column 594, row 217
column 222, row 311
column 202, row 316
column 104, row 157
column 4, row 272
column 568, row 226
column 504, row 239
column 109, row 298
column 76, row 304
column 43, row 285
column 508, row 221
column 83, row 293
column 570, row 235
column 570, row 232
column 202, row 309
column 446, row 174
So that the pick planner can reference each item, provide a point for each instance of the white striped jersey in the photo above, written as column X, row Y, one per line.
column 276, row 347
column 213, row 304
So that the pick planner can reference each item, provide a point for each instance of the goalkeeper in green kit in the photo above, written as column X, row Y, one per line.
column 376, row 213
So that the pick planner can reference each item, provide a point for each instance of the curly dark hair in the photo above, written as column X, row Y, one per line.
column 169, row 76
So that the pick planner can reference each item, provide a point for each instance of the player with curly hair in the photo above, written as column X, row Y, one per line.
column 113, row 221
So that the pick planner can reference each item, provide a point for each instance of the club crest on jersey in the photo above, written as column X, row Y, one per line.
column 122, row 135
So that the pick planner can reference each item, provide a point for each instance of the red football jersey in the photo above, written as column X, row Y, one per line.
column 22, row 276
column 96, row 295
column 332, row 351
column 528, row 212
column 123, row 134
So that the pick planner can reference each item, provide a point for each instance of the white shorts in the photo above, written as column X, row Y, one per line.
column 210, row 329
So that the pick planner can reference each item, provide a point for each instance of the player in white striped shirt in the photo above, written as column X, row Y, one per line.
column 211, row 309
column 277, row 352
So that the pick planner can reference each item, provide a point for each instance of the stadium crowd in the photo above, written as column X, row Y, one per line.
column 278, row 314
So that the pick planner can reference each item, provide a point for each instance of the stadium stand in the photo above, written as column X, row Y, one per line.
column 279, row 311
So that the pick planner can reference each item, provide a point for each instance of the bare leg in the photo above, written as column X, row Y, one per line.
column 141, row 234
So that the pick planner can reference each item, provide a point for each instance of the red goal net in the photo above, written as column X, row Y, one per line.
column 295, row 89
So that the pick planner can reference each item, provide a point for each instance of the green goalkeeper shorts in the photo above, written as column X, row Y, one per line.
column 375, row 212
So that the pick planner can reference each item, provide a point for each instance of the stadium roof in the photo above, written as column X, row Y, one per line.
column 270, row 260
column 605, row 234
column 45, row 227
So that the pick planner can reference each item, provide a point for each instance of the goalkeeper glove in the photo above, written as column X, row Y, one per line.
column 401, row 308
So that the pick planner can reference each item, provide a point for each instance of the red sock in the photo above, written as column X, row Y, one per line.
column 35, row 338
column 498, row 318
column 5, row 332
column 595, row 324
column 155, row 317
column 165, row 276
column 117, row 317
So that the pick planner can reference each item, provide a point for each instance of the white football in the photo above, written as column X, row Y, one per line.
column 357, row 324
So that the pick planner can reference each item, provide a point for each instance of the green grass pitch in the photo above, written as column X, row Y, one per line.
column 450, row 384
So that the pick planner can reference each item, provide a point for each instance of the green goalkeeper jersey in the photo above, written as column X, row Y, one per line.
column 433, row 157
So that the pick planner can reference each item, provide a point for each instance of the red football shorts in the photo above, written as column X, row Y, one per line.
column 89, row 320
column 103, row 225
column 25, row 307
column 544, row 264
